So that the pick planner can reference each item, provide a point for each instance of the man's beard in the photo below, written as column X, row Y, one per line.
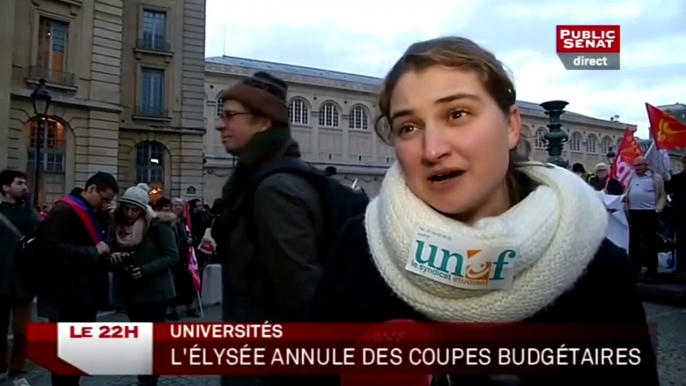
column 21, row 197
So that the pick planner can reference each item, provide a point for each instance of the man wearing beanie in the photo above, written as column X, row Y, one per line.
column 273, row 277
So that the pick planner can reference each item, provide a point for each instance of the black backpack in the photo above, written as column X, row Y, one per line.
column 340, row 205
column 27, row 255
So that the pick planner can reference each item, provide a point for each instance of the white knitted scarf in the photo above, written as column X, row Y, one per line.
column 557, row 230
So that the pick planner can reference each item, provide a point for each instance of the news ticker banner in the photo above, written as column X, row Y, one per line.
column 589, row 47
column 399, row 347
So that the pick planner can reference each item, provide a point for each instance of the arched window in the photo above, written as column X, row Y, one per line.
column 298, row 113
column 150, row 163
column 52, row 148
column 605, row 145
column 575, row 141
column 328, row 115
column 359, row 119
column 540, row 138
column 591, row 144
column 220, row 104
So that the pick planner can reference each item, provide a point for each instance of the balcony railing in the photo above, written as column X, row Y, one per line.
column 156, row 45
column 151, row 112
column 52, row 76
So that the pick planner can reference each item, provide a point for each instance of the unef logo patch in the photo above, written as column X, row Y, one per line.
column 441, row 258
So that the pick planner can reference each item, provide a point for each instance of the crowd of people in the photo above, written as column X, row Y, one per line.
column 655, row 206
column 98, row 250
column 295, row 245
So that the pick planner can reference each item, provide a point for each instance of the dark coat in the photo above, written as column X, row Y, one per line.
column 71, row 268
column 614, row 187
column 277, row 281
column 606, row 293
column 280, row 280
column 25, row 219
column 183, row 281
column 676, row 188
column 155, row 255
column 200, row 223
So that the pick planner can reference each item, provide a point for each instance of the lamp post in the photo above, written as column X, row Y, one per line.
column 555, row 137
column 610, row 156
column 40, row 98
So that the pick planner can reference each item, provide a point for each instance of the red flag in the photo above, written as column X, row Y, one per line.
column 623, row 167
column 667, row 131
column 192, row 260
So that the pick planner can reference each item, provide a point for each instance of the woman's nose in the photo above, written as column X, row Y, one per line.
column 435, row 145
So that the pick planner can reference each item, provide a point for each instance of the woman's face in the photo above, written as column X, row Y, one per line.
column 453, row 142
column 167, row 208
column 131, row 213
column 177, row 208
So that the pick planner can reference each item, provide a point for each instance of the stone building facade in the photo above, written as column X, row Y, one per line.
column 127, row 80
column 332, row 116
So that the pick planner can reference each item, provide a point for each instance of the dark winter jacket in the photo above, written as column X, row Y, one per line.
column 155, row 255
column 277, row 278
column 71, row 268
column 605, row 294
column 25, row 219
column 613, row 187
column 676, row 189
column 183, row 281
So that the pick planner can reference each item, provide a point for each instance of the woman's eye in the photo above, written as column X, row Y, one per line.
column 457, row 114
column 405, row 129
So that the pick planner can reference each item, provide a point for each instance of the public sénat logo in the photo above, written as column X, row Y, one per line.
column 589, row 47
column 460, row 267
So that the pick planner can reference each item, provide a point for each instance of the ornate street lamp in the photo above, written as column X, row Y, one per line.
column 40, row 98
column 555, row 137
column 610, row 156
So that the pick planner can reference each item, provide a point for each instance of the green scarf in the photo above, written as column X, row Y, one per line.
column 263, row 147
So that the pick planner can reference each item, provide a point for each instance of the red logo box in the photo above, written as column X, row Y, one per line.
column 588, row 39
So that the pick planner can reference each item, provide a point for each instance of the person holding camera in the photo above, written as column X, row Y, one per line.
column 143, row 252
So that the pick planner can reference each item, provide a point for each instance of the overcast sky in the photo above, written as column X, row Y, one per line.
column 367, row 36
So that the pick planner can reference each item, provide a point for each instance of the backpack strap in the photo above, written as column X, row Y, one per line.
column 289, row 165
column 8, row 224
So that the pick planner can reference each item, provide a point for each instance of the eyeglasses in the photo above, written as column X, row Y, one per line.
column 105, row 199
column 227, row 115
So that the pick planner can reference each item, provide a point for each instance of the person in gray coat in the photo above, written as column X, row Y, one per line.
column 144, row 251
column 274, row 277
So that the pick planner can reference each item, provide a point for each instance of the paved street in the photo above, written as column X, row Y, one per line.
column 671, row 322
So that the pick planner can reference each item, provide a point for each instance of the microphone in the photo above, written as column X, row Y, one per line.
column 389, row 335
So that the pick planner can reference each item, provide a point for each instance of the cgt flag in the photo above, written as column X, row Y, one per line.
column 622, row 168
column 667, row 131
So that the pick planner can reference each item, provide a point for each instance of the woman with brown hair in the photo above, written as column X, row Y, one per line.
column 462, row 184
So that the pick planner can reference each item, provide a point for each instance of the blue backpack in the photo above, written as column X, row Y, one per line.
column 340, row 205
